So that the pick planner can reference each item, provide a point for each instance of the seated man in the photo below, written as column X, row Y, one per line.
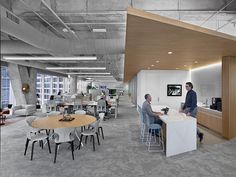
column 146, row 108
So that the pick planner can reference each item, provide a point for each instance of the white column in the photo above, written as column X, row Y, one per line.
column 73, row 84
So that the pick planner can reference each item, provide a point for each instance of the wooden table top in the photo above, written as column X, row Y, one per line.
column 52, row 122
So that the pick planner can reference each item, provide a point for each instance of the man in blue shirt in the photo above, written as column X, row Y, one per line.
column 190, row 105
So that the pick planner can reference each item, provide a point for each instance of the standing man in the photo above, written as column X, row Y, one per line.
column 190, row 105
column 154, row 116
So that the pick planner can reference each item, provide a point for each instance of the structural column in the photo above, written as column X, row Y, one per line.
column 229, row 97
column 23, row 75
column 73, row 84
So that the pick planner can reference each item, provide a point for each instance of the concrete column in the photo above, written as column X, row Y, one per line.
column 19, row 75
column 73, row 84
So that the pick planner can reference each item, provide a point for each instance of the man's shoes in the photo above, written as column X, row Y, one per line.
column 201, row 136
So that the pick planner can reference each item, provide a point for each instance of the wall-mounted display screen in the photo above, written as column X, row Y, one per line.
column 174, row 90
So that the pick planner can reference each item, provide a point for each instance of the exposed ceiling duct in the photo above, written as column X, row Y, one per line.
column 51, row 44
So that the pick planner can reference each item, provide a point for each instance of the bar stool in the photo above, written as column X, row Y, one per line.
column 155, row 135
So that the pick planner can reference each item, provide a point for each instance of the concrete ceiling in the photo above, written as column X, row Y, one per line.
column 41, row 31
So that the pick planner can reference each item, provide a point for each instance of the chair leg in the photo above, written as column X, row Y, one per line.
column 42, row 144
column 49, row 148
column 100, row 128
column 86, row 137
column 81, row 136
column 55, row 156
column 98, row 138
column 93, row 143
column 26, row 145
column 32, row 150
column 72, row 149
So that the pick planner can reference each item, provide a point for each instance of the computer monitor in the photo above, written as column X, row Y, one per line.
column 112, row 91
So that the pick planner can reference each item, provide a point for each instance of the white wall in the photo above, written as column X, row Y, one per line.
column 155, row 83
column 132, row 90
column 207, row 82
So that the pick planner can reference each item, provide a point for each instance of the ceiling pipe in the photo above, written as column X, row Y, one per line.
column 28, row 7
column 54, row 45
column 230, row 21
column 217, row 12
column 54, row 13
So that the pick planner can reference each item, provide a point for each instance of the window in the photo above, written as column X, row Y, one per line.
column 46, row 97
column 60, row 79
column 54, row 91
column 54, row 79
column 5, row 87
column 54, row 86
column 47, row 85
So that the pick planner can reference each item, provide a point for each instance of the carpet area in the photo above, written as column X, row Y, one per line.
column 121, row 154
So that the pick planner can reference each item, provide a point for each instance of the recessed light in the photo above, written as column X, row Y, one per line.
column 170, row 53
column 195, row 61
column 152, row 65
column 176, row 68
column 157, row 61
column 185, row 65
column 99, row 30
column 65, row 30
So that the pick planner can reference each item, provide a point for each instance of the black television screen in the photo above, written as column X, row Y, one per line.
column 112, row 91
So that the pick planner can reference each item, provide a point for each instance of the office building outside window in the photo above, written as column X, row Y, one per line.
column 5, row 87
column 48, row 85
column 7, row 96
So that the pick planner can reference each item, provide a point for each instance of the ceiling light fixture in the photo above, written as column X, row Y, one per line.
column 76, row 68
column 195, row 61
column 170, row 53
column 176, row 68
column 88, row 73
column 95, row 76
column 65, row 30
column 157, row 61
column 51, row 58
column 152, row 65
column 99, row 30
column 185, row 65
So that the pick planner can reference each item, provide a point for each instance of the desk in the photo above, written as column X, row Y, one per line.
column 114, row 105
column 52, row 122
column 3, row 116
column 180, row 132
column 92, row 104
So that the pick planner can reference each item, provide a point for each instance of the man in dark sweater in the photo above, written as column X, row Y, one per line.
column 190, row 105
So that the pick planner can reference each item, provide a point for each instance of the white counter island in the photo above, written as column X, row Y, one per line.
column 180, row 131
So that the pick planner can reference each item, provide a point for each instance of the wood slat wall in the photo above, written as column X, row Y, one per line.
column 229, row 97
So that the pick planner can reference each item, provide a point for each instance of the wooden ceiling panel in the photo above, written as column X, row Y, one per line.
column 150, row 37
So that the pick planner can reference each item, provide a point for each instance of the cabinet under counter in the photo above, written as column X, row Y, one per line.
column 209, row 118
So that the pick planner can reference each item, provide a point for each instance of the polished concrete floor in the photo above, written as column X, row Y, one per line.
column 121, row 154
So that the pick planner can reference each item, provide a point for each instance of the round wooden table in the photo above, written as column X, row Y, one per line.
column 52, row 122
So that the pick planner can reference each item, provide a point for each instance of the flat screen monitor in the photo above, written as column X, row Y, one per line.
column 112, row 91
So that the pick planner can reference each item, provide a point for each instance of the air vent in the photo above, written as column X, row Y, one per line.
column 12, row 17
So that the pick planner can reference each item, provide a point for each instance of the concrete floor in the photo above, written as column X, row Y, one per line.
column 120, row 154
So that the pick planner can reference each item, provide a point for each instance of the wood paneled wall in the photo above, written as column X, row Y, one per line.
column 229, row 97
